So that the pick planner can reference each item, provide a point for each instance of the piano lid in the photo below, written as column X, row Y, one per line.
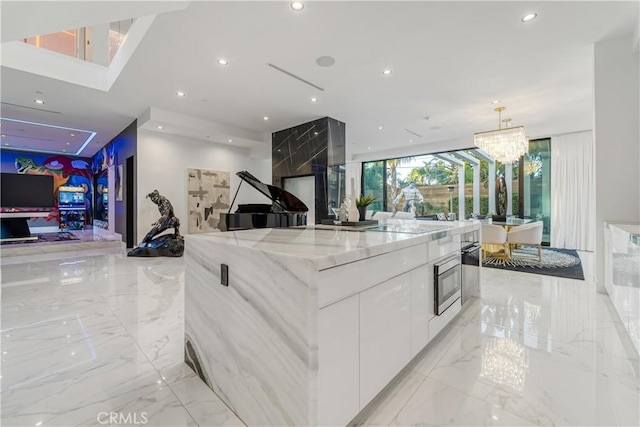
column 282, row 198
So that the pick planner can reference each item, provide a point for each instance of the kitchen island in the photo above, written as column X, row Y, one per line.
column 304, row 326
column 622, row 275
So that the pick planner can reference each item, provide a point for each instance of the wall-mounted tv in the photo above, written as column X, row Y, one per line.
column 26, row 191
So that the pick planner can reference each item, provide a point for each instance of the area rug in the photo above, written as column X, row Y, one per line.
column 45, row 237
column 554, row 262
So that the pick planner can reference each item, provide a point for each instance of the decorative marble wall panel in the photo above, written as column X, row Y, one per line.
column 207, row 198
column 316, row 148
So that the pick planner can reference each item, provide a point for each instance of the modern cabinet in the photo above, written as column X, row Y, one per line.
column 421, row 306
column 366, row 339
column 385, row 334
column 335, row 316
column 622, row 274
column 338, row 361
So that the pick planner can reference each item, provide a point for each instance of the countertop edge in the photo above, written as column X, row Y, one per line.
column 330, row 261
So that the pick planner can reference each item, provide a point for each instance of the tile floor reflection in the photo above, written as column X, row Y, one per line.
column 87, row 335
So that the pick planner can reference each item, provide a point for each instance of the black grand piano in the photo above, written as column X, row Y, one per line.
column 285, row 211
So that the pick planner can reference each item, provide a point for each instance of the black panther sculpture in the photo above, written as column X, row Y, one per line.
column 168, row 244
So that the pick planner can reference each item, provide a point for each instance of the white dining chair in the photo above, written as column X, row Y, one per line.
column 527, row 234
column 494, row 241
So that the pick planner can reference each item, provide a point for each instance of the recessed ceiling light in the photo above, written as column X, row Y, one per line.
column 265, row 118
column 529, row 17
column 159, row 127
column 6, row 143
column 3, row 135
column 180, row 93
column 68, row 143
column 38, row 101
column 368, row 148
column 223, row 61
column 72, row 134
column 411, row 140
column 315, row 133
column 64, row 151
column 497, row 101
column 314, row 99
column 387, row 72
column 380, row 127
column 297, row 6
column 231, row 140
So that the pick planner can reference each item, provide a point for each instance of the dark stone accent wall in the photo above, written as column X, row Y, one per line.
column 316, row 148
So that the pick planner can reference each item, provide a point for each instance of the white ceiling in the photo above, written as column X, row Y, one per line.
column 449, row 61
column 36, row 137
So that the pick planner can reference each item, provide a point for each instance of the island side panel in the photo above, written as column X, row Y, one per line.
column 253, row 342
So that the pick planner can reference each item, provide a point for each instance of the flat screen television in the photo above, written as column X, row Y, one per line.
column 26, row 191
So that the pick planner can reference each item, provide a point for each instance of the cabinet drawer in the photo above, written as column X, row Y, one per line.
column 442, row 247
column 340, row 282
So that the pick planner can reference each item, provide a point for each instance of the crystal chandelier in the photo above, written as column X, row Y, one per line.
column 504, row 145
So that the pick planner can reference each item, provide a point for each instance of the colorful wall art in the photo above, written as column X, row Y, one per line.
column 66, row 170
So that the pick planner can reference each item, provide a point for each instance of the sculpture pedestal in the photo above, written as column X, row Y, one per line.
column 165, row 245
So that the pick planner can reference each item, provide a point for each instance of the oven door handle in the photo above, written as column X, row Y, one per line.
column 471, row 248
column 446, row 265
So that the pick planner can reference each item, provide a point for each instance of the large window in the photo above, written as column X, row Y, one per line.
column 536, row 185
column 426, row 184
column 373, row 183
column 432, row 184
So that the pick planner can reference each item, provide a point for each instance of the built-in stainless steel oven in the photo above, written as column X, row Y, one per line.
column 447, row 284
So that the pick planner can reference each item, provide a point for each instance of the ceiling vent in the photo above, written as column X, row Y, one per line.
column 275, row 67
column 413, row 133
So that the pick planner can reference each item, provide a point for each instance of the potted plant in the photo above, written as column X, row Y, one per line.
column 362, row 202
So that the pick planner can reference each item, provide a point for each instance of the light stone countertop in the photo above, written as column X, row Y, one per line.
column 628, row 228
column 327, row 248
column 633, row 230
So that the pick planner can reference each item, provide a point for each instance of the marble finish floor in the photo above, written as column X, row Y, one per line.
column 93, row 239
column 85, row 337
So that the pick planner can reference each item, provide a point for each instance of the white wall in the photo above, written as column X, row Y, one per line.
column 617, row 139
column 162, row 163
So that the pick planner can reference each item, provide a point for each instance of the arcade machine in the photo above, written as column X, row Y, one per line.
column 105, row 204
column 72, row 208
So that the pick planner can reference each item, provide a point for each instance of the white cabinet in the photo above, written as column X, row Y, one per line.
column 373, row 330
column 437, row 323
column 338, row 360
column 421, row 306
column 385, row 334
